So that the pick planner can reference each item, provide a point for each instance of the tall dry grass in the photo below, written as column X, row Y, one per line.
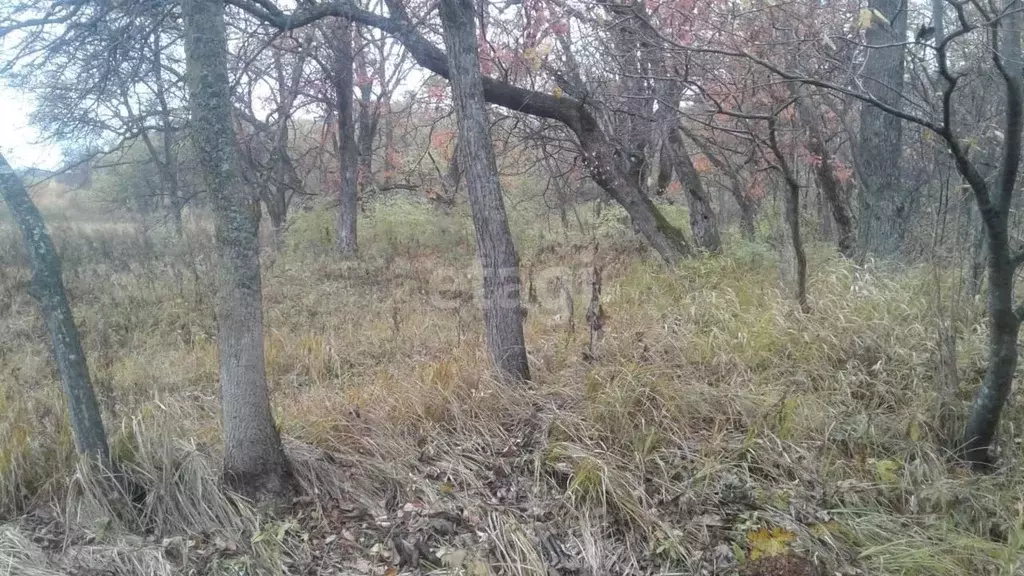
column 715, row 426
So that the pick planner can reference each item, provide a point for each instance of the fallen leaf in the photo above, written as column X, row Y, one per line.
column 769, row 542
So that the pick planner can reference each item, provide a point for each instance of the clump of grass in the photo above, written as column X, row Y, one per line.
column 712, row 409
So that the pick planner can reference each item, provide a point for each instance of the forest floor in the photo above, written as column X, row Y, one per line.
column 711, row 428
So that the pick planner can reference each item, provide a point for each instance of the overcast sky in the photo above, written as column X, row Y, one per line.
column 19, row 142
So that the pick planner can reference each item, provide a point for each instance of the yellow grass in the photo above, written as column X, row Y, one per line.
column 714, row 409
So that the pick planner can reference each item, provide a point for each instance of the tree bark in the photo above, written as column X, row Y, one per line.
column 702, row 215
column 792, row 217
column 348, row 153
column 1004, row 326
column 1004, row 320
column 884, row 204
column 824, row 172
column 48, row 289
column 664, row 170
column 254, row 460
column 367, row 123
column 599, row 155
column 703, row 223
column 824, row 215
column 503, row 314
column 737, row 189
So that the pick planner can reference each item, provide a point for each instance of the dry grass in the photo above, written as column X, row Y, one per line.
column 713, row 413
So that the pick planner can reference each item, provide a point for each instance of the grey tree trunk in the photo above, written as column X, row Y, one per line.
column 48, row 289
column 367, row 122
column 737, row 189
column 1004, row 319
column 348, row 154
column 884, row 204
column 664, row 170
column 661, row 234
column 702, row 215
column 938, row 20
column 824, row 172
column 254, row 461
column 792, row 217
column 1004, row 326
column 503, row 315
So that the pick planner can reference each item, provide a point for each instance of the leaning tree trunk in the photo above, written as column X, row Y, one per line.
column 599, row 155
column 825, row 173
column 48, row 289
column 348, row 154
column 884, row 206
column 703, row 223
column 254, row 460
column 702, row 215
column 737, row 189
column 503, row 314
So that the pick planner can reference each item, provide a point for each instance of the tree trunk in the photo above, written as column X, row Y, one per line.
column 599, row 153
column 177, row 214
column 348, row 154
column 1004, row 326
column 503, row 313
column 390, row 155
column 664, row 169
column 1004, row 320
column 367, row 127
column 277, row 210
column 702, row 215
column 884, row 204
column 977, row 262
column 792, row 217
column 452, row 177
column 738, row 191
column 747, row 214
column 824, row 216
column 254, row 461
column 793, row 221
column 48, row 289
column 825, row 174
column 938, row 20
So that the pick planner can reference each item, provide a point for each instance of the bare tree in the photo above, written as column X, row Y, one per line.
column 836, row 192
column 995, row 205
column 503, row 313
column 265, row 144
column 254, row 460
column 599, row 153
column 48, row 289
column 115, row 79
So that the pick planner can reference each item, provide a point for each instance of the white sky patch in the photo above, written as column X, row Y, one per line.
column 22, row 145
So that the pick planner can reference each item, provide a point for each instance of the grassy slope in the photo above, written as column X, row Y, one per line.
column 713, row 413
